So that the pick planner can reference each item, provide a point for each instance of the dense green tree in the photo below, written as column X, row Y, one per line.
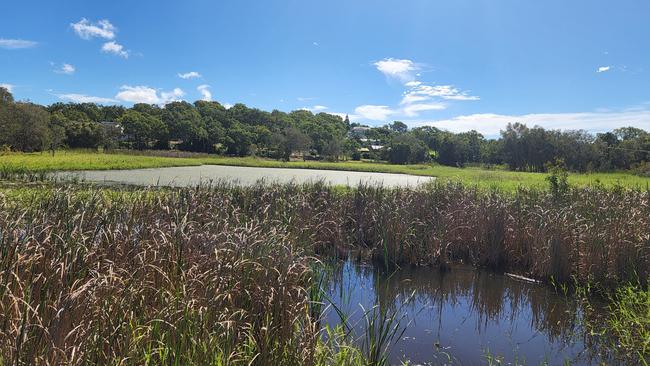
column 398, row 126
column 57, row 137
column 207, row 126
column 406, row 149
column 31, row 132
column 142, row 130
column 290, row 141
column 6, row 112
column 238, row 139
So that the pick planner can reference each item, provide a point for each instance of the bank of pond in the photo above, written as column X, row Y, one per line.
column 309, row 274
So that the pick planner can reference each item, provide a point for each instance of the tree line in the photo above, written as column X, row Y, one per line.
column 209, row 127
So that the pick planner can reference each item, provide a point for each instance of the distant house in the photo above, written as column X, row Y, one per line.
column 359, row 132
column 173, row 144
column 115, row 130
column 110, row 124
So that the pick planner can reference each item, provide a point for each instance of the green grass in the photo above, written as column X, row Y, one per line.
column 87, row 160
column 630, row 321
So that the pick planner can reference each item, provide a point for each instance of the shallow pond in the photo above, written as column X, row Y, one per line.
column 461, row 316
column 191, row 176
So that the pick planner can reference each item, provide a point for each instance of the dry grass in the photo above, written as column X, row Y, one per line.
column 223, row 275
column 178, row 277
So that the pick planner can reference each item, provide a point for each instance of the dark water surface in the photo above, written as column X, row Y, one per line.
column 460, row 316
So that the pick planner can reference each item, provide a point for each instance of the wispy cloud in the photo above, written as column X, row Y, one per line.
column 413, row 110
column 315, row 109
column 67, row 69
column 418, row 96
column 9, row 87
column 306, row 99
column 603, row 69
column 82, row 98
column 145, row 94
column 14, row 44
column 418, row 91
column 87, row 30
column 189, row 75
column 374, row 112
column 205, row 92
column 115, row 48
column 400, row 69
column 491, row 124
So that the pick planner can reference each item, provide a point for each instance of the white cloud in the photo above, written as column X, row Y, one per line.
column 402, row 70
column 138, row 94
column 189, row 75
column 353, row 117
column 205, row 92
column 82, row 98
column 315, row 44
column 315, row 109
column 490, row 124
column 306, row 99
column 12, row 44
column 145, row 94
column 413, row 110
column 227, row 105
column 418, row 96
column 411, row 98
column 603, row 69
column 374, row 112
column 9, row 87
column 419, row 91
column 87, row 30
column 66, row 69
column 115, row 48
column 172, row 96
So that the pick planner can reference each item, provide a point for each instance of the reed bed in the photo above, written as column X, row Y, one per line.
column 223, row 275
column 132, row 279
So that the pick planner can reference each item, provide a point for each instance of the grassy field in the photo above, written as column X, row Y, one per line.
column 87, row 160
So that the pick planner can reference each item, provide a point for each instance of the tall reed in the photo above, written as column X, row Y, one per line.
column 224, row 274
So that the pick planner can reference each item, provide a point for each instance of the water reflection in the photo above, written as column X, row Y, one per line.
column 460, row 316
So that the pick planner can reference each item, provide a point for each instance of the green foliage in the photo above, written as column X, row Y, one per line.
column 630, row 321
column 406, row 149
column 476, row 176
column 558, row 179
column 208, row 127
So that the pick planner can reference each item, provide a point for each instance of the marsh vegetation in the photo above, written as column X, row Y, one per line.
column 232, row 275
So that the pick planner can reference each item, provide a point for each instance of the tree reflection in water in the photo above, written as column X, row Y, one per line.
column 464, row 313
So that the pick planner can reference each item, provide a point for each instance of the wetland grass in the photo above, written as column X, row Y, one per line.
column 225, row 275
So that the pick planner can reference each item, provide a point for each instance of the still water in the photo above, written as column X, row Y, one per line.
column 461, row 316
column 191, row 176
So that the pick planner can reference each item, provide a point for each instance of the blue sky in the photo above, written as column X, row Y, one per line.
column 455, row 64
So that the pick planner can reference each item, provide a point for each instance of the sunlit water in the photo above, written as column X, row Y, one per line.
column 191, row 176
column 463, row 315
